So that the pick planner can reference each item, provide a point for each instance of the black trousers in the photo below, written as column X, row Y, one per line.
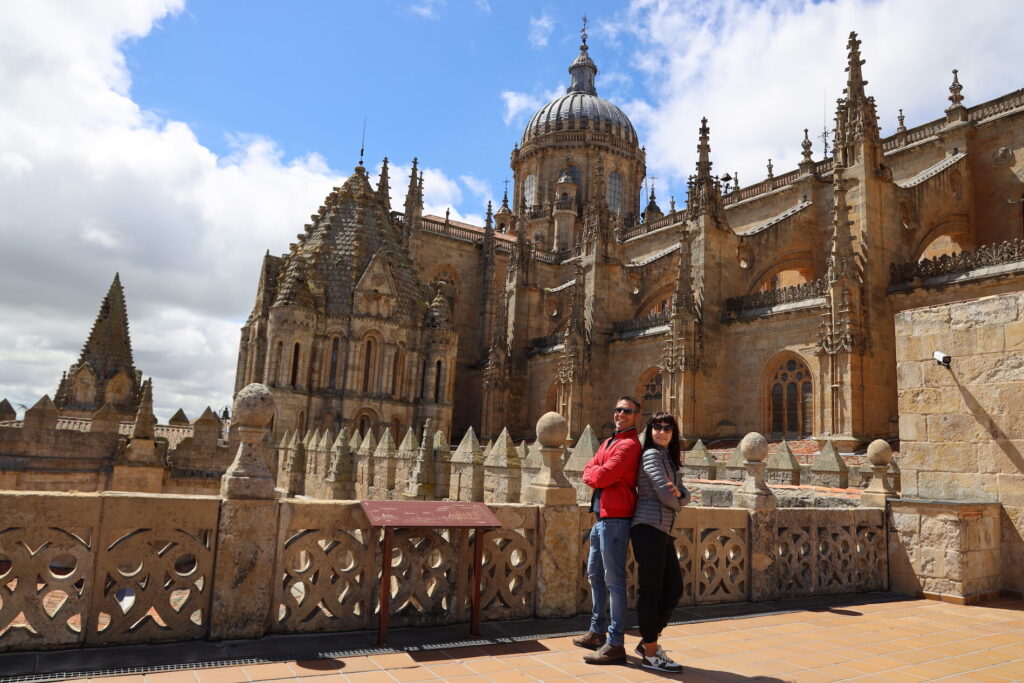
column 660, row 581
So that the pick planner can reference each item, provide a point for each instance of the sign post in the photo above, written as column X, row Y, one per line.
column 416, row 514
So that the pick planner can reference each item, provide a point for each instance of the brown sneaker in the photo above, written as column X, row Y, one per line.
column 590, row 640
column 608, row 654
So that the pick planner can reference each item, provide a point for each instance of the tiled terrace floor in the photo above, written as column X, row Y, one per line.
column 899, row 640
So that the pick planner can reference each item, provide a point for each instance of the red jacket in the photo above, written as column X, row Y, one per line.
column 613, row 469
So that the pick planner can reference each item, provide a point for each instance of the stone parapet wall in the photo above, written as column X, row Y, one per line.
column 945, row 550
column 961, row 427
column 116, row 568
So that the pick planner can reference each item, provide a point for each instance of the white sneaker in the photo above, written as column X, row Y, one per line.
column 660, row 662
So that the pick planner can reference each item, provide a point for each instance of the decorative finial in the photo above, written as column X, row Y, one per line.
column 447, row 213
column 583, row 33
column 735, row 180
column 954, row 91
column 806, row 144
column 901, row 128
column 672, row 204
column 770, row 167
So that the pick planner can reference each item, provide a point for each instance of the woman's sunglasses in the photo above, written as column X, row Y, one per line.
column 661, row 428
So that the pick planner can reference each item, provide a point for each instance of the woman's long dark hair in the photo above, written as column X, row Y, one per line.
column 673, row 444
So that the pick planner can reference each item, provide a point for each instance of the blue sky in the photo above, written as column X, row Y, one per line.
column 428, row 84
column 175, row 141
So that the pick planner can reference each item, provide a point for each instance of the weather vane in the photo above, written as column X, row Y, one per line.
column 583, row 31
column 362, row 143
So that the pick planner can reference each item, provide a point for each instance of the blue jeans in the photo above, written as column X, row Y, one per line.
column 606, row 568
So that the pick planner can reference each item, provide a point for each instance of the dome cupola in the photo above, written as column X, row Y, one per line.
column 580, row 108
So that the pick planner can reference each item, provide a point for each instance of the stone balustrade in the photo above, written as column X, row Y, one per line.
column 90, row 569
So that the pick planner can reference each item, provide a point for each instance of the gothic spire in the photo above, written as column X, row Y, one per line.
column 703, row 190
column 855, row 79
column 412, row 193
column 384, row 186
column 144, row 419
column 109, row 347
column 704, row 152
column 856, row 119
column 489, row 222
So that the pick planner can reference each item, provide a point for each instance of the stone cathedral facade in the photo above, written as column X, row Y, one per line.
column 767, row 307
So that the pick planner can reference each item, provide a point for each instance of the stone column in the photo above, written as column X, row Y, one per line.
column 880, row 456
column 247, row 533
column 558, row 531
column 755, row 496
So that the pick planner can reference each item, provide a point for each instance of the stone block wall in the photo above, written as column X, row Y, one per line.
column 945, row 551
column 962, row 427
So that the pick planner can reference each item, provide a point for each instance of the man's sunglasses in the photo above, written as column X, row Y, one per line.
column 661, row 428
column 627, row 411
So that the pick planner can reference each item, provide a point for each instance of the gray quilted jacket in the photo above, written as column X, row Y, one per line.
column 655, row 505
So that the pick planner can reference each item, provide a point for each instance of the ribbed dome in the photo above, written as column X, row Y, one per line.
column 580, row 108
column 576, row 111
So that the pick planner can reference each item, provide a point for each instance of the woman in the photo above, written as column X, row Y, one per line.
column 660, row 497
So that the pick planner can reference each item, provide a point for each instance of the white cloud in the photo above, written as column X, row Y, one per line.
column 762, row 72
column 477, row 186
column 540, row 30
column 93, row 185
column 518, row 105
column 426, row 8
column 484, row 6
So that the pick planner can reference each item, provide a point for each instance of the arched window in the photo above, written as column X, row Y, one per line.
column 423, row 379
column 300, row 421
column 398, row 372
column 295, row 364
column 615, row 192
column 368, row 362
column 278, row 374
column 791, row 400
column 572, row 172
column 332, row 378
column 437, row 382
column 364, row 425
column 530, row 190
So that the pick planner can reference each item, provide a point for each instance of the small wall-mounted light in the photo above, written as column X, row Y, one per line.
column 942, row 358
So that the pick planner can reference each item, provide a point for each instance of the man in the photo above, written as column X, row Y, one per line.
column 612, row 474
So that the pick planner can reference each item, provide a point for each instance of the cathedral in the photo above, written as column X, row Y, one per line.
column 767, row 307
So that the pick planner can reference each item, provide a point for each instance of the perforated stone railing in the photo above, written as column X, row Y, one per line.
column 714, row 557
column 961, row 262
column 123, row 568
column 644, row 322
column 774, row 297
column 143, row 574
column 329, row 570
column 830, row 551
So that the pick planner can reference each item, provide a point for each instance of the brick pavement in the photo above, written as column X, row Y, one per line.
column 903, row 640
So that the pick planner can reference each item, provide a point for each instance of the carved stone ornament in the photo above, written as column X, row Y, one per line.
column 1003, row 156
column 551, row 307
column 744, row 256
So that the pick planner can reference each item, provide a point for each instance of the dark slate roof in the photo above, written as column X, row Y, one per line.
column 323, row 268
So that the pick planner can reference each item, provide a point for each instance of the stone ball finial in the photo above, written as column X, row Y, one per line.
column 754, row 447
column 879, row 452
column 552, row 430
column 254, row 406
